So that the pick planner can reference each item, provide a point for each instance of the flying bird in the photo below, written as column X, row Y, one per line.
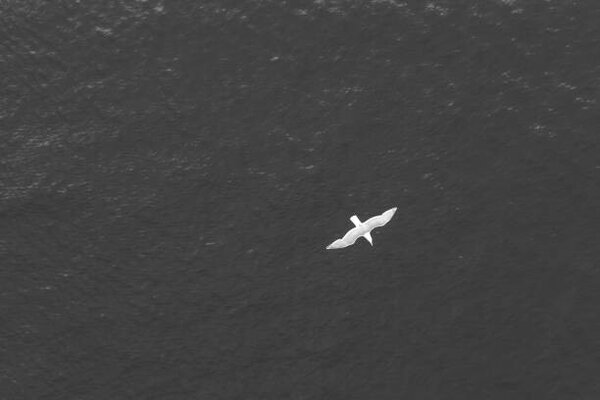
column 362, row 229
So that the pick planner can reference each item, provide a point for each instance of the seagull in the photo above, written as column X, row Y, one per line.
column 363, row 229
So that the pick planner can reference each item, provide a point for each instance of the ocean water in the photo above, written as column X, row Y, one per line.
column 171, row 172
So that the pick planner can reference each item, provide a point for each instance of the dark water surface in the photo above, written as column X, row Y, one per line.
column 172, row 171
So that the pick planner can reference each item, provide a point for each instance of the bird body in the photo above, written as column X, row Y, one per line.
column 362, row 229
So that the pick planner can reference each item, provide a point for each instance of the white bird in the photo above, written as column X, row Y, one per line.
column 363, row 229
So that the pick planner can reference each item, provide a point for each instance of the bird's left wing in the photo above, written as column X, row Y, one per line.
column 348, row 240
column 351, row 235
column 381, row 220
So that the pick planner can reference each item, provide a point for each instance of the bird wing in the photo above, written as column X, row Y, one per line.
column 351, row 235
column 380, row 220
column 338, row 244
column 348, row 239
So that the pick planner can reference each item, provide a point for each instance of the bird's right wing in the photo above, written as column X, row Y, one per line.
column 381, row 220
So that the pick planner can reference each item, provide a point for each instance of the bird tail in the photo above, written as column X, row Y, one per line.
column 368, row 237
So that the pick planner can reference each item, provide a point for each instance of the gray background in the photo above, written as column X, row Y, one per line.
column 172, row 171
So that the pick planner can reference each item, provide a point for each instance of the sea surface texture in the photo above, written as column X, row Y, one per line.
column 171, row 172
